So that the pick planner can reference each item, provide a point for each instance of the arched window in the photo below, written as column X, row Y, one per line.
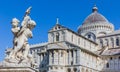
column 90, row 36
column 117, row 42
column 57, row 37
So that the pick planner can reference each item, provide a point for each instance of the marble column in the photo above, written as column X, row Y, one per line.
column 38, row 60
column 109, row 43
column 68, row 57
column 41, row 57
column 74, row 57
column 60, row 57
column 114, row 42
column 50, row 59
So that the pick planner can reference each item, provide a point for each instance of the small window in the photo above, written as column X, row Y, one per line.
column 57, row 37
column 72, row 53
column 107, row 65
column 59, row 27
column 110, row 58
column 117, row 42
column 89, row 36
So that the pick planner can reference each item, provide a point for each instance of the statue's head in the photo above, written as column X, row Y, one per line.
column 15, row 22
column 31, row 24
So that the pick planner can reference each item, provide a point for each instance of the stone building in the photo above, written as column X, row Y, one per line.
column 94, row 48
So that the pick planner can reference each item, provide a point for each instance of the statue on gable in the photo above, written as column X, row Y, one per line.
column 20, row 50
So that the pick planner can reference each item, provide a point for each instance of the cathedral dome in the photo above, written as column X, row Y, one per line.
column 95, row 23
column 95, row 17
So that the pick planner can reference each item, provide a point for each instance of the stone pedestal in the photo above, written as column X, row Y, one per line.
column 17, row 69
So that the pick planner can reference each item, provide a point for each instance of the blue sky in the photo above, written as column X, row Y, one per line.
column 71, row 14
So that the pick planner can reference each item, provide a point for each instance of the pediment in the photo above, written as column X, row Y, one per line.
column 58, row 46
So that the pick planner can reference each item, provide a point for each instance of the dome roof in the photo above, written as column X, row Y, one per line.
column 95, row 17
column 95, row 23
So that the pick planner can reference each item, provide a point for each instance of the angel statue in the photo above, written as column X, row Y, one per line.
column 21, row 46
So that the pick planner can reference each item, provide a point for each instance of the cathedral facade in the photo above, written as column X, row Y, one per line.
column 95, row 47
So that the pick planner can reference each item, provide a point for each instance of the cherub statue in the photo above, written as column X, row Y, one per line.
column 21, row 34
column 23, row 45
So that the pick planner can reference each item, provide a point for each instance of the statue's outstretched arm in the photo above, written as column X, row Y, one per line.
column 28, row 11
column 25, row 21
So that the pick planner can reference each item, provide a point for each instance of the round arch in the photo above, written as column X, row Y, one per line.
column 90, row 36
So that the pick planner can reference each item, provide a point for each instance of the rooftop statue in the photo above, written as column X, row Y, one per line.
column 20, row 51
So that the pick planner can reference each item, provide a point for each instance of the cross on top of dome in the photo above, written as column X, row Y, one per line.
column 57, row 21
column 94, row 9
